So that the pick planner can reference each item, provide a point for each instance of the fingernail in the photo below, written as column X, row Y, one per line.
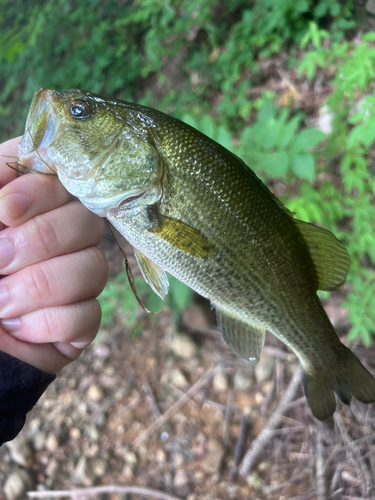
column 4, row 296
column 11, row 325
column 80, row 345
column 6, row 253
column 15, row 205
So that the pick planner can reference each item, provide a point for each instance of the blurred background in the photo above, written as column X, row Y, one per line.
column 287, row 85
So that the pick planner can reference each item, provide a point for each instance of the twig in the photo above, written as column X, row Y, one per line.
column 366, row 474
column 167, row 415
column 228, row 416
column 180, row 393
column 271, row 391
column 260, row 442
column 100, row 490
column 321, row 490
column 278, row 353
column 150, row 396
column 267, row 490
column 238, row 450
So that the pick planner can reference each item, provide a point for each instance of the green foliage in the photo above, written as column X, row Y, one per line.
column 189, row 51
column 353, row 135
column 272, row 145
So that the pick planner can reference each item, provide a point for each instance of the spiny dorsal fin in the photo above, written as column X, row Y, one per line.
column 245, row 339
column 154, row 275
column 331, row 259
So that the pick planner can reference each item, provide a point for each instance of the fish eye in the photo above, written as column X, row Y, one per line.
column 79, row 109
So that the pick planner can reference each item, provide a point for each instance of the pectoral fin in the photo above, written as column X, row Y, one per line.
column 245, row 339
column 180, row 235
column 330, row 257
column 154, row 275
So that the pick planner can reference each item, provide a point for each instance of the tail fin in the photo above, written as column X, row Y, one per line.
column 348, row 378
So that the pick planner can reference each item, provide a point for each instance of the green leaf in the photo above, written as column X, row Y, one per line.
column 190, row 120
column 356, row 118
column 275, row 164
column 207, row 126
column 287, row 133
column 367, row 134
column 308, row 138
column 224, row 138
column 303, row 166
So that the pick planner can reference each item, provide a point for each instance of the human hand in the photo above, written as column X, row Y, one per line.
column 53, row 268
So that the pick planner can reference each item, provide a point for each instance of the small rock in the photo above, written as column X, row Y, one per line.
column 184, row 346
column 181, row 483
column 242, row 380
column 214, row 456
column 131, row 459
column 102, row 351
column 127, row 472
column 51, row 468
column 17, row 484
column 177, row 378
column 220, row 382
column 74, row 433
column 51, row 442
column 81, row 473
column 39, row 440
column 178, row 460
column 20, row 450
column 94, row 393
column 264, row 369
column 160, row 456
column 98, row 468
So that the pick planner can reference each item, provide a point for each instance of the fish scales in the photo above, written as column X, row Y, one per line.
column 191, row 208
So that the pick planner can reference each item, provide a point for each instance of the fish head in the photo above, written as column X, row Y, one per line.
column 102, row 150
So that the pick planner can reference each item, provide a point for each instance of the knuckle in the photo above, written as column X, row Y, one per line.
column 44, row 232
column 48, row 322
column 38, row 283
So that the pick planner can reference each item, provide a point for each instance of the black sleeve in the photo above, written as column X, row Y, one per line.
column 21, row 385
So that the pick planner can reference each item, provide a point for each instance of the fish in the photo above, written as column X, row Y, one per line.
column 191, row 208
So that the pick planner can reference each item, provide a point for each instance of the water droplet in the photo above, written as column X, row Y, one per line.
column 164, row 436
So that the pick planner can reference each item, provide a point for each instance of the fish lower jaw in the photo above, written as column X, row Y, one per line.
column 35, row 163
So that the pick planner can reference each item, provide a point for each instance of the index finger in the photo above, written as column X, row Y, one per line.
column 8, row 154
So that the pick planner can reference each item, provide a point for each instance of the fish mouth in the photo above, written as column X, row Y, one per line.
column 40, row 130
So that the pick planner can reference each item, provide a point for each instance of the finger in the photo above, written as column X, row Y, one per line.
column 77, row 322
column 67, row 229
column 31, row 195
column 46, row 357
column 58, row 281
column 8, row 153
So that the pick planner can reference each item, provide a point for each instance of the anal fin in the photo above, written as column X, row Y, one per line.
column 245, row 339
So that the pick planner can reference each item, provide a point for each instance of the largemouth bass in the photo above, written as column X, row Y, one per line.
column 191, row 208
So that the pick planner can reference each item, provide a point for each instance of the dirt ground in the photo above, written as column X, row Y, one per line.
column 175, row 415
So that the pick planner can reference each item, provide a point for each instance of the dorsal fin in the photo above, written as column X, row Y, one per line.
column 330, row 257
